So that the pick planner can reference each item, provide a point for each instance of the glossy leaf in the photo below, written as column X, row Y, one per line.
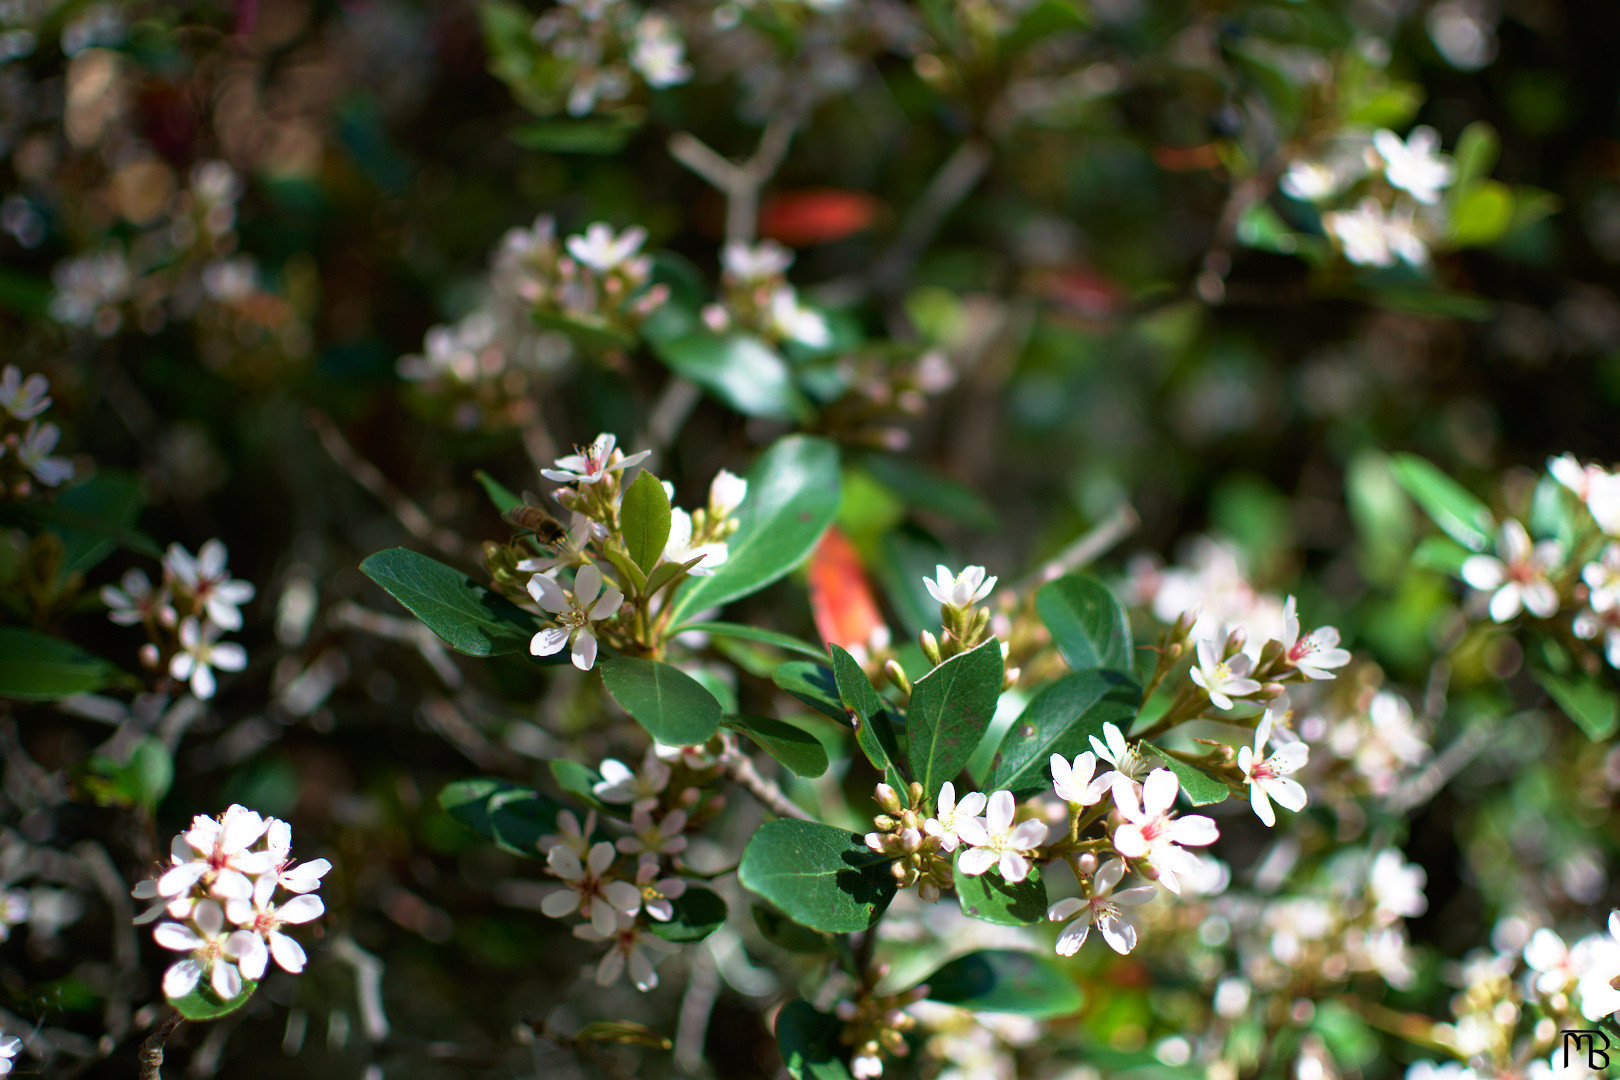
column 470, row 618
column 1088, row 625
column 800, row 752
column 1200, row 788
column 950, row 711
column 874, row 726
column 792, row 498
column 587, row 135
column 808, row 1042
column 673, row 707
column 1060, row 719
column 38, row 667
column 1000, row 980
column 203, row 1004
column 906, row 556
column 992, row 899
column 738, row 369
column 514, row 817
column 820, row 875
column 1587, row 700
column 699, row 912
column 644, row 518
column 756, row 633
column 1481, row 213
column 784, row 933
column 813, row 684
column 923, row 489
column 580, row 780
column 97, row 516
column 1448, row 504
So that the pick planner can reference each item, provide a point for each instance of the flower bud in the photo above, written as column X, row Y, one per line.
column 915, row 791
column 1270, row 692
column 1268, row 655
column 886, row 798
column 1235, row 642
column 930, row 648
column 149, row 655
column 1184, row 624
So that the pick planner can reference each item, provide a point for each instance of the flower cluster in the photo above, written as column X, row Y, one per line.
column 25, row 451
column 755, row 295
column 219, row 896
column 598, row 49
column 185, row 615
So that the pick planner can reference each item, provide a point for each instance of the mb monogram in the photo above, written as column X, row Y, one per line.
column 1596, row 1057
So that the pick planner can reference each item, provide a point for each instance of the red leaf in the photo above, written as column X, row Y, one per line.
column 841, row 598
column 816, row 215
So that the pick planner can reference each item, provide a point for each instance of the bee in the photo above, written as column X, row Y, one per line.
column 546, row 529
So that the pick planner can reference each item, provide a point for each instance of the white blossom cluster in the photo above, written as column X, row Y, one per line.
column 25, row 451
column 1399, row 213
column 756, row 295
column 185, row 615
column 219, row 897
column 44, row 908
column 602, row 47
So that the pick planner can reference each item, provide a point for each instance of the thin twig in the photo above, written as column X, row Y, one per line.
column 125, row 946
column 1211, row 281
column 368, row 476
column 368, row 976
column 742, row 770
column 697, row 1006
column 739, row 183
column 675, row 403
column 350, row 614
column 152, row 1048
column 1084, row 551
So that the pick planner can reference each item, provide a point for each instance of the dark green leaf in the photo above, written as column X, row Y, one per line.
column 905, row 556
column 1431, row 301
column 498, row 493
column 999, row 980
column 874, row 728
column 1200, row 788
column 512, row 816
column 1088, row 625
column 36, row 667
column 1459, row 515
column 644, row 520
column 950, row 711
column 820, row 875
column 699, row 912
column 665, row 573
column 755, row 633
column 784, row 933
column 1478, row 147
column 812, row 684
column 792, row 498
column 1589, row 701
column 151, row 772
column 203, row 1004
column 670, row 704
column 588, row 135
column 1041, row 20
column 739, row 370
column 799, row 752
column 580, row 780
column 594, row 336
column 95, row 517
column 469, row 617
column 1060, row 719
column 992, row 899
column 808, row 1042
column 926, row 490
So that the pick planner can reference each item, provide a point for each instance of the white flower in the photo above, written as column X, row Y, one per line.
column 1362, row 233
column 632, row 948
column 726, row 492
column 1413, row 165
column 1311, row 181
column 1603, row 502
column 214, row 853
column 866, row 1066
column 959, row 590
column 580, row 532
column 662, row 837
column 787, row 318
column 1396, row 887
column 10, row 1047
column 264, row 920
column 1222, row 680
column 1315, row 655
column 34, row 453
column 209, row 582
column 1270, row 776
column 1152, row 833
column 745, row 264
column 621, row 784
column 1127, row 760
column 137, row 601
column 602, row 252
column 658, row 54
column 201, row 652
column 656, row 895
column 1100, row 907
column 575, row 612
column 1551, row 960
column 1603, row 579
column 1074, row 783
column 946, row 824
column 1580, row 479
column 598, row 900
column 1404, row 237
column 997, row 842
column 591, row 464
column 1450, row 1070
column 1519, row 577
column 570, row 833
column 679, row 548
column 23, row 398
column 212, row 952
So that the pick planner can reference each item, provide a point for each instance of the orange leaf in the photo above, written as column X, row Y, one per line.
column 841, row 597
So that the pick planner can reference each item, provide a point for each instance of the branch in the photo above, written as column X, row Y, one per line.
column 152, row 1049
column 742, row 770
column 740, row 184
column 1084, row 551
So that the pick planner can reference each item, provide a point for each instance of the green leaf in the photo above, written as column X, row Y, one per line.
column 1478, row 147
column 1088, row 625
column 1480, row 213
column 142, row 780
column 950, row 711
column 808, row 1042
column 644, row 520
column 588, row 135
column 203, row 1004
column 812, row 684
column 923, row 489
column 792, row 498
column 755, row 633
column 1044, row 18
column 1060, row 719
column 822, row 876
column 874, row 729
column 784, row 933
column 1200, row 788
column 95, row 517
column 739, row 370
column 1459, row 515
column 1000, row 980
column 470, row 618
column 1432, row 301
column 799, row 752
column 499, row 810
column 595, row 335
column 992, row 899
column 905, row 556
column 1586, row 700
column 665, row 573
column 1440, row 553
column 498, row 493
column 699, row 912
column 670, row 704
column 580, row 780
column 36, row 667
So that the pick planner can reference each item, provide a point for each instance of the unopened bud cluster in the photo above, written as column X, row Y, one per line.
column 918, row 857
column 875, row 1025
